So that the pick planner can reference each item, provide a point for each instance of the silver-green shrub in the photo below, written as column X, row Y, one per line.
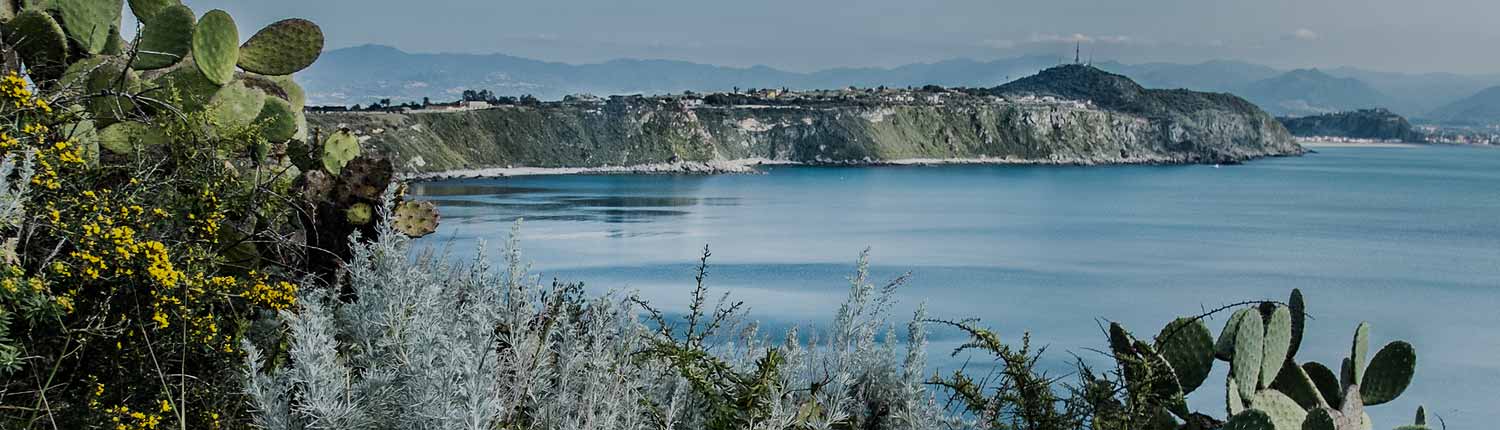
column 429, row 344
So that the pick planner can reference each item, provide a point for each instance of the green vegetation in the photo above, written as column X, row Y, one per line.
column 178, row 250
column 157, row 207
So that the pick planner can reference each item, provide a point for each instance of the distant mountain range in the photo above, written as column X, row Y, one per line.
column 1479, row 109
column 365, row 74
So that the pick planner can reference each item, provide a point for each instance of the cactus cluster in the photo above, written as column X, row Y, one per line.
column 1267, row 389
column 182, row 63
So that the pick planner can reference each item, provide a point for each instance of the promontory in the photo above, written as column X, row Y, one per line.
column 1072, row 114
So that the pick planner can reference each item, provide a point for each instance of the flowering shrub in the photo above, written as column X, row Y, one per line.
column 125, row 289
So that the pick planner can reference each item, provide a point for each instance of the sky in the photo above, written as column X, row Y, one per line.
column 803, row 35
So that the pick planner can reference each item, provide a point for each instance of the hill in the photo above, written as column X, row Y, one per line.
column 1375, row 124
column 1482, row 108
column 1064, row 115
column 1311, row 92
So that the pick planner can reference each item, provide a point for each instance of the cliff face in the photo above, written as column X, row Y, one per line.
column 863, row 128
column 1377, row 124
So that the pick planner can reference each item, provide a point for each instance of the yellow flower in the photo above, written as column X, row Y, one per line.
column 161, row 319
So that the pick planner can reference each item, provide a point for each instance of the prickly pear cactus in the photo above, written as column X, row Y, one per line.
column 1359, row 352
column 282, row 48
column 1284, row 412
column 359, row 214
column 1188, row 345
column 146, row 10
column 40, row 42
column 415, row 219
column 277, row 120
column 1250, row 419
column 1389, row 373
column 216, row 46
column 129, row 137
column 1249, row 347
column 1278, row 342
column 89, row 23
column 237, row 105
column 1224, row 348
column 167, row 40
column 338, row 149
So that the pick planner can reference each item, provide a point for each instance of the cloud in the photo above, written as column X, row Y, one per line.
column 1304, row 34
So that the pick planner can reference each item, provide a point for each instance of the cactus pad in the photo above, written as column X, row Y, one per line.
column 216, row 46
column 1187, row 344
column 191, row 89
column 277, row 120
column 1285, row 413
column 128, row 137
column 1318, row 419
column 315, row 185
column 1278, row 341
column 1326, row 382
column 1389, row 374
column 145, row 10
column 365, row 178
column 282, row 48
column 1224, row 348
column 40, row 42
column 338, row 149
column 236, row 105
column 359, row 214
column 90, row 23
column 1250, row 419
column 1299, row 322
column 167, row 40
column 1233, row 402
column 116, row 44
column 1359, row 353
column 416, row 219
column 1249, row 347
column 1295, row 383
column 111, row 75
column 293, row 92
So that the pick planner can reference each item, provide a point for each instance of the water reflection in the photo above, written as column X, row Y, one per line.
column 490, row 200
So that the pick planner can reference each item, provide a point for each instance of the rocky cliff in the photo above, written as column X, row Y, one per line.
column 1066, row 115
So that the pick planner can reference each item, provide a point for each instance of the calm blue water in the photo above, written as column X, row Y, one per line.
column 1404, row 237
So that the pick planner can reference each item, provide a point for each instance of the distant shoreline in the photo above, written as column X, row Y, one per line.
column 1332, row 144
column 753, row 165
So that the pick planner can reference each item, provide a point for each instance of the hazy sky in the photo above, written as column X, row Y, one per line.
column 1394, row 35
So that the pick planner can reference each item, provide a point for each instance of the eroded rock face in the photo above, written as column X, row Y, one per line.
column 1018, row 126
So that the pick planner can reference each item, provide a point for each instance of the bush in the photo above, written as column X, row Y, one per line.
column 431, row 345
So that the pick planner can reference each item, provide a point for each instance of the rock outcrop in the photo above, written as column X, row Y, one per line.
column 1066, row 115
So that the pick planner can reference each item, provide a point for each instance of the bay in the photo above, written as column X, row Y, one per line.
column 1404, row 237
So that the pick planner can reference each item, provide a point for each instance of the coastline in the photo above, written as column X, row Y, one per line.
column 1337, row 144
column 752, row 166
